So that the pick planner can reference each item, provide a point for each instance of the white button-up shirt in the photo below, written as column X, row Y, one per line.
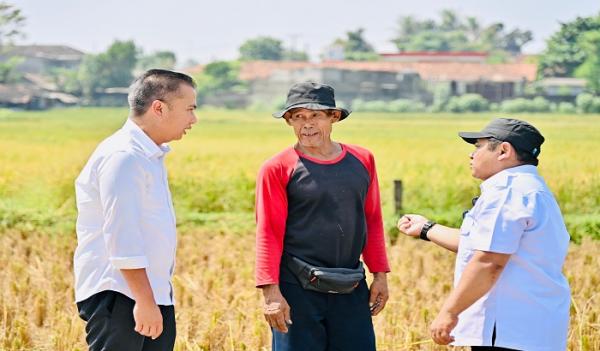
column 125, row 217
column 517, row 214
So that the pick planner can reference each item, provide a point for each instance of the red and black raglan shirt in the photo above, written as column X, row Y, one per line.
column 326, row 213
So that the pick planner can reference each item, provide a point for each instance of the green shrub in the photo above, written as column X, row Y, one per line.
column 566, row 107
column 539, row 104
column 518, row 105
column 358, row 105
column 405, row 105
column 441, row 95
column 399, row 105
column 375, row 106
column 467, row 103
column 514, row 105
column 588, row 103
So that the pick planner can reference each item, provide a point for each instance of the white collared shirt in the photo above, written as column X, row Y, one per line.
column 517, row 214
column 125, row 217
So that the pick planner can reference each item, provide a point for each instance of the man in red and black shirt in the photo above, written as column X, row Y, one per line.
column 319, row 201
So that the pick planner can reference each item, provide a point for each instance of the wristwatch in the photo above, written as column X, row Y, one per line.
column 425, row 229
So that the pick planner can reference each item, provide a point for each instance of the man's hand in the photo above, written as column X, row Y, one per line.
column 148, row 319
column 378, row 293
column 276, row 308
column 441, row 327
column 411, row 224
column 147, row 315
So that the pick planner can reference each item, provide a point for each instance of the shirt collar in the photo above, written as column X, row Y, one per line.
column 140, row 137
column 500, row 179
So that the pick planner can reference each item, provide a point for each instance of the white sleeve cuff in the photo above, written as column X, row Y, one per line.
column 495, row 249
column 134, row 262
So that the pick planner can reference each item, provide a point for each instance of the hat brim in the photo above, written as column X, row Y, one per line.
column 471, row 137
column 312, row 106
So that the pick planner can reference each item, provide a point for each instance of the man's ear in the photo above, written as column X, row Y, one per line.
column 506, row 151
column 157, row 107
column 337, row 115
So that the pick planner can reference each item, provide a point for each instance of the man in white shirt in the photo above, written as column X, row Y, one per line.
column 509, row 290
column 126, row 224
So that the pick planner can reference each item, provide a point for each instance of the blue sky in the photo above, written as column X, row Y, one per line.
column 209, row 30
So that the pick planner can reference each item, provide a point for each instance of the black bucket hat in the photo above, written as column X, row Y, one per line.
column 520, row 134
column 312, row 96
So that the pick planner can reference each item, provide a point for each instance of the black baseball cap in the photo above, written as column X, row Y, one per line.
column 312, row 96
column 520, row 134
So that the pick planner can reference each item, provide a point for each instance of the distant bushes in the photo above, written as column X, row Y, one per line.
column 467, row 103
column 538, row 104
column 275, row 105
column 585, row 103
column 566, row 107
column 400, row 105
column 403, row 105
column 464, row 103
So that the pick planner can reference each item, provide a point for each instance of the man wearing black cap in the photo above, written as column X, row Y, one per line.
column 509, row 290
column 317, row 211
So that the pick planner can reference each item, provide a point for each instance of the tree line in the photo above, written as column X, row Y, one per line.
column 573, row 51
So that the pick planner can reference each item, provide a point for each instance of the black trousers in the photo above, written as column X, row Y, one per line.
column 110, row 324
column 326, row 322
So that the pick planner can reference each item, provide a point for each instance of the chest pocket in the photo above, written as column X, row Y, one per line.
column 465, row 250
column 156, row 198
column 468, row 224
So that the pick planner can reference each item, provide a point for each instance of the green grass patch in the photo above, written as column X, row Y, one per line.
column 213, row 169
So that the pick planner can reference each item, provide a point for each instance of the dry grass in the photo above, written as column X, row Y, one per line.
column 212, row 175
column 218, row 308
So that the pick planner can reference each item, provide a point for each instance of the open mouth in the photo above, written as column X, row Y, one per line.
column 310, row 134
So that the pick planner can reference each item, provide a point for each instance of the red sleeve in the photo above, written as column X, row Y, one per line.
column 373, row 253
column 271, row 215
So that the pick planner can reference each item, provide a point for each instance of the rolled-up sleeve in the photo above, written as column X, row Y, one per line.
column 121, row 181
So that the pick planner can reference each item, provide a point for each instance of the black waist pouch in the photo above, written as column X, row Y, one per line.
column 323, row 279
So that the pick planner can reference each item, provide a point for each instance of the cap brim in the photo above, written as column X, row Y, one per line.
column 313, row 106
column 471, row 137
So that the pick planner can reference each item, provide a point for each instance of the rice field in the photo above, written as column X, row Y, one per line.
column 212, row 174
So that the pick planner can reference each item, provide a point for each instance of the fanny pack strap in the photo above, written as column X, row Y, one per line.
column 291, row 264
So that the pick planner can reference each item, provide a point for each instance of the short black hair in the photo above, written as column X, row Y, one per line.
column 524, row 157
column 155, row 84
